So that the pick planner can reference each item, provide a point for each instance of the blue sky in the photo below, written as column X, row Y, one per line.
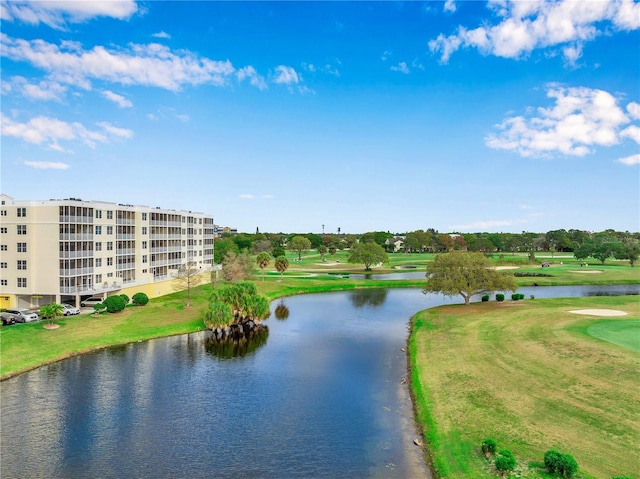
column 492, row 116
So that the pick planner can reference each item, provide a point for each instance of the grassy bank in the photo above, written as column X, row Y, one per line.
column 532, row 376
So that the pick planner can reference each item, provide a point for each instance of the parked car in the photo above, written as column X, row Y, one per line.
column 8, row 318
column 69, row 310
column 91, row 302
column 24, row 315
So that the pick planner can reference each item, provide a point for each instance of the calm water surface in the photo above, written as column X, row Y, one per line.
column 322, row 398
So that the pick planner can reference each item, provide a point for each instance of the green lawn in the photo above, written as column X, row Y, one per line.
column 530, row 376
column 622, row 332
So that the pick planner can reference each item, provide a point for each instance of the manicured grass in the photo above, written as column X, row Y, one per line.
column 528, row 375
column 621, row 332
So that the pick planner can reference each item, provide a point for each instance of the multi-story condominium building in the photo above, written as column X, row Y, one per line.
column 67, row 250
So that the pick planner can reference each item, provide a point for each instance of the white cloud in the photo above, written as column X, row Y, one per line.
column 56, row 13
column 450, row 6
column 150, row 65
column 183, row 117
column 572, row 54
column 121, row 101
column 43, row 90
column 630, row 160
column 385, row 55
column 51, row 131
column 634, row 110
column 286, row 75
column 247, row 197
column 47, row 165
column 161, row 35
column 254, row 78
column 525, row 26
column 401, row 67
column 632, row 132
column 580, row 120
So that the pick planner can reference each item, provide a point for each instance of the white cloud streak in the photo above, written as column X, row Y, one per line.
column 121, row 101
column 161, row 35
column 580, row 120
column 450, row 6
column 630, row 160
column 47, row 165
column 285, row 75
column 57, row 13
column 50, row 131
column 44, row 90
column 525, row 26
column 401, row 67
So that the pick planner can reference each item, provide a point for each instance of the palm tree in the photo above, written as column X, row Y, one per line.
column 51, row 311
column 263, row 260
column 282, row 264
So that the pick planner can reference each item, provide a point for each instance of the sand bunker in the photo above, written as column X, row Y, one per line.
column 588, row 271
column 599, row 312
column 498, row 268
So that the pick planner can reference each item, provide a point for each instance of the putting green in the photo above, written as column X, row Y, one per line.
column 625, row 332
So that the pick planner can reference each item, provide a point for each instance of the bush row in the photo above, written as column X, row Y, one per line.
column 116, row 303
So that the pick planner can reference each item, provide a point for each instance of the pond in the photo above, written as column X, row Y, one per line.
column 323, row 395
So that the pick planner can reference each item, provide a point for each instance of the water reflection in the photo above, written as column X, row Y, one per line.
column 237, row 343
column 282, row 311
column 368, row 297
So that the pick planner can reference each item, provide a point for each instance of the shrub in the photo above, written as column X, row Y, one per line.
column 485, row 298
column 489, row 447
column 98, row 307
column 126, row 298
column 552, row 460
column 558, row 463
column 532, row 297
column 517, row 296
column 505, row 461
column 114, row 304
column 140, row 299
column 499, row 297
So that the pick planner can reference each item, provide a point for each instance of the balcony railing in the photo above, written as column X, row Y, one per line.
column 156, row 236
column 76, row 237
column 76, row 289
column 76, row 271
column 122, row 236
column 125, row 251
column 174, row 224
column 76, row 254
column 76, row 219
column 125, row 221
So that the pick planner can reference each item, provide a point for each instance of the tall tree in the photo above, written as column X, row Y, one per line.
column 367, row 253
column 300, row 245
column 629, row 250
column 263, row 260
column 465, row 274
column 187, row 277
column 281, row 264
column 51, row 311
column 238, row 267
column 222, row 246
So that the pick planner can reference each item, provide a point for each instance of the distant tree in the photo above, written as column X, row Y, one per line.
column 238, row 267
column 278, row 251
column 262, row 246
column 282, row 264
column 332, row 249
column 263, row 261
column 368, row 254
column 243, row 241
column 300, row 245
column 412, row 243
column 187, row 277
column 630, row 251
column 222, row 247
column 605, row 251
column 322, row 249
column 445, row 242
column 51, row 311
column 465, row 274
column 584, row 250
column 314, row 239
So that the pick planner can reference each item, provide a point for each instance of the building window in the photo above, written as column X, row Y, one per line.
column 144, row 258
column 3, row 230
column 144, row 245
column 109, row 230
column 98, row 278
column 98, row 230
column 99, row 246
column 22, row 282
column 4, row 282
column 22, row 212
column 109, row 215
column 109, row 261
column 144, row 230
column 98, row 262
column 22, row 247
column 109, row 275
column 22, row 264
column 109, row 245
column 3, row 213
column 199, row 220
column 22, row 229
column 99, row 214
column 144, row 217
column 3, row 247
column 3, row 265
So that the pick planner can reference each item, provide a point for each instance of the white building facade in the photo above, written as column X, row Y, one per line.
column 66, row 250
